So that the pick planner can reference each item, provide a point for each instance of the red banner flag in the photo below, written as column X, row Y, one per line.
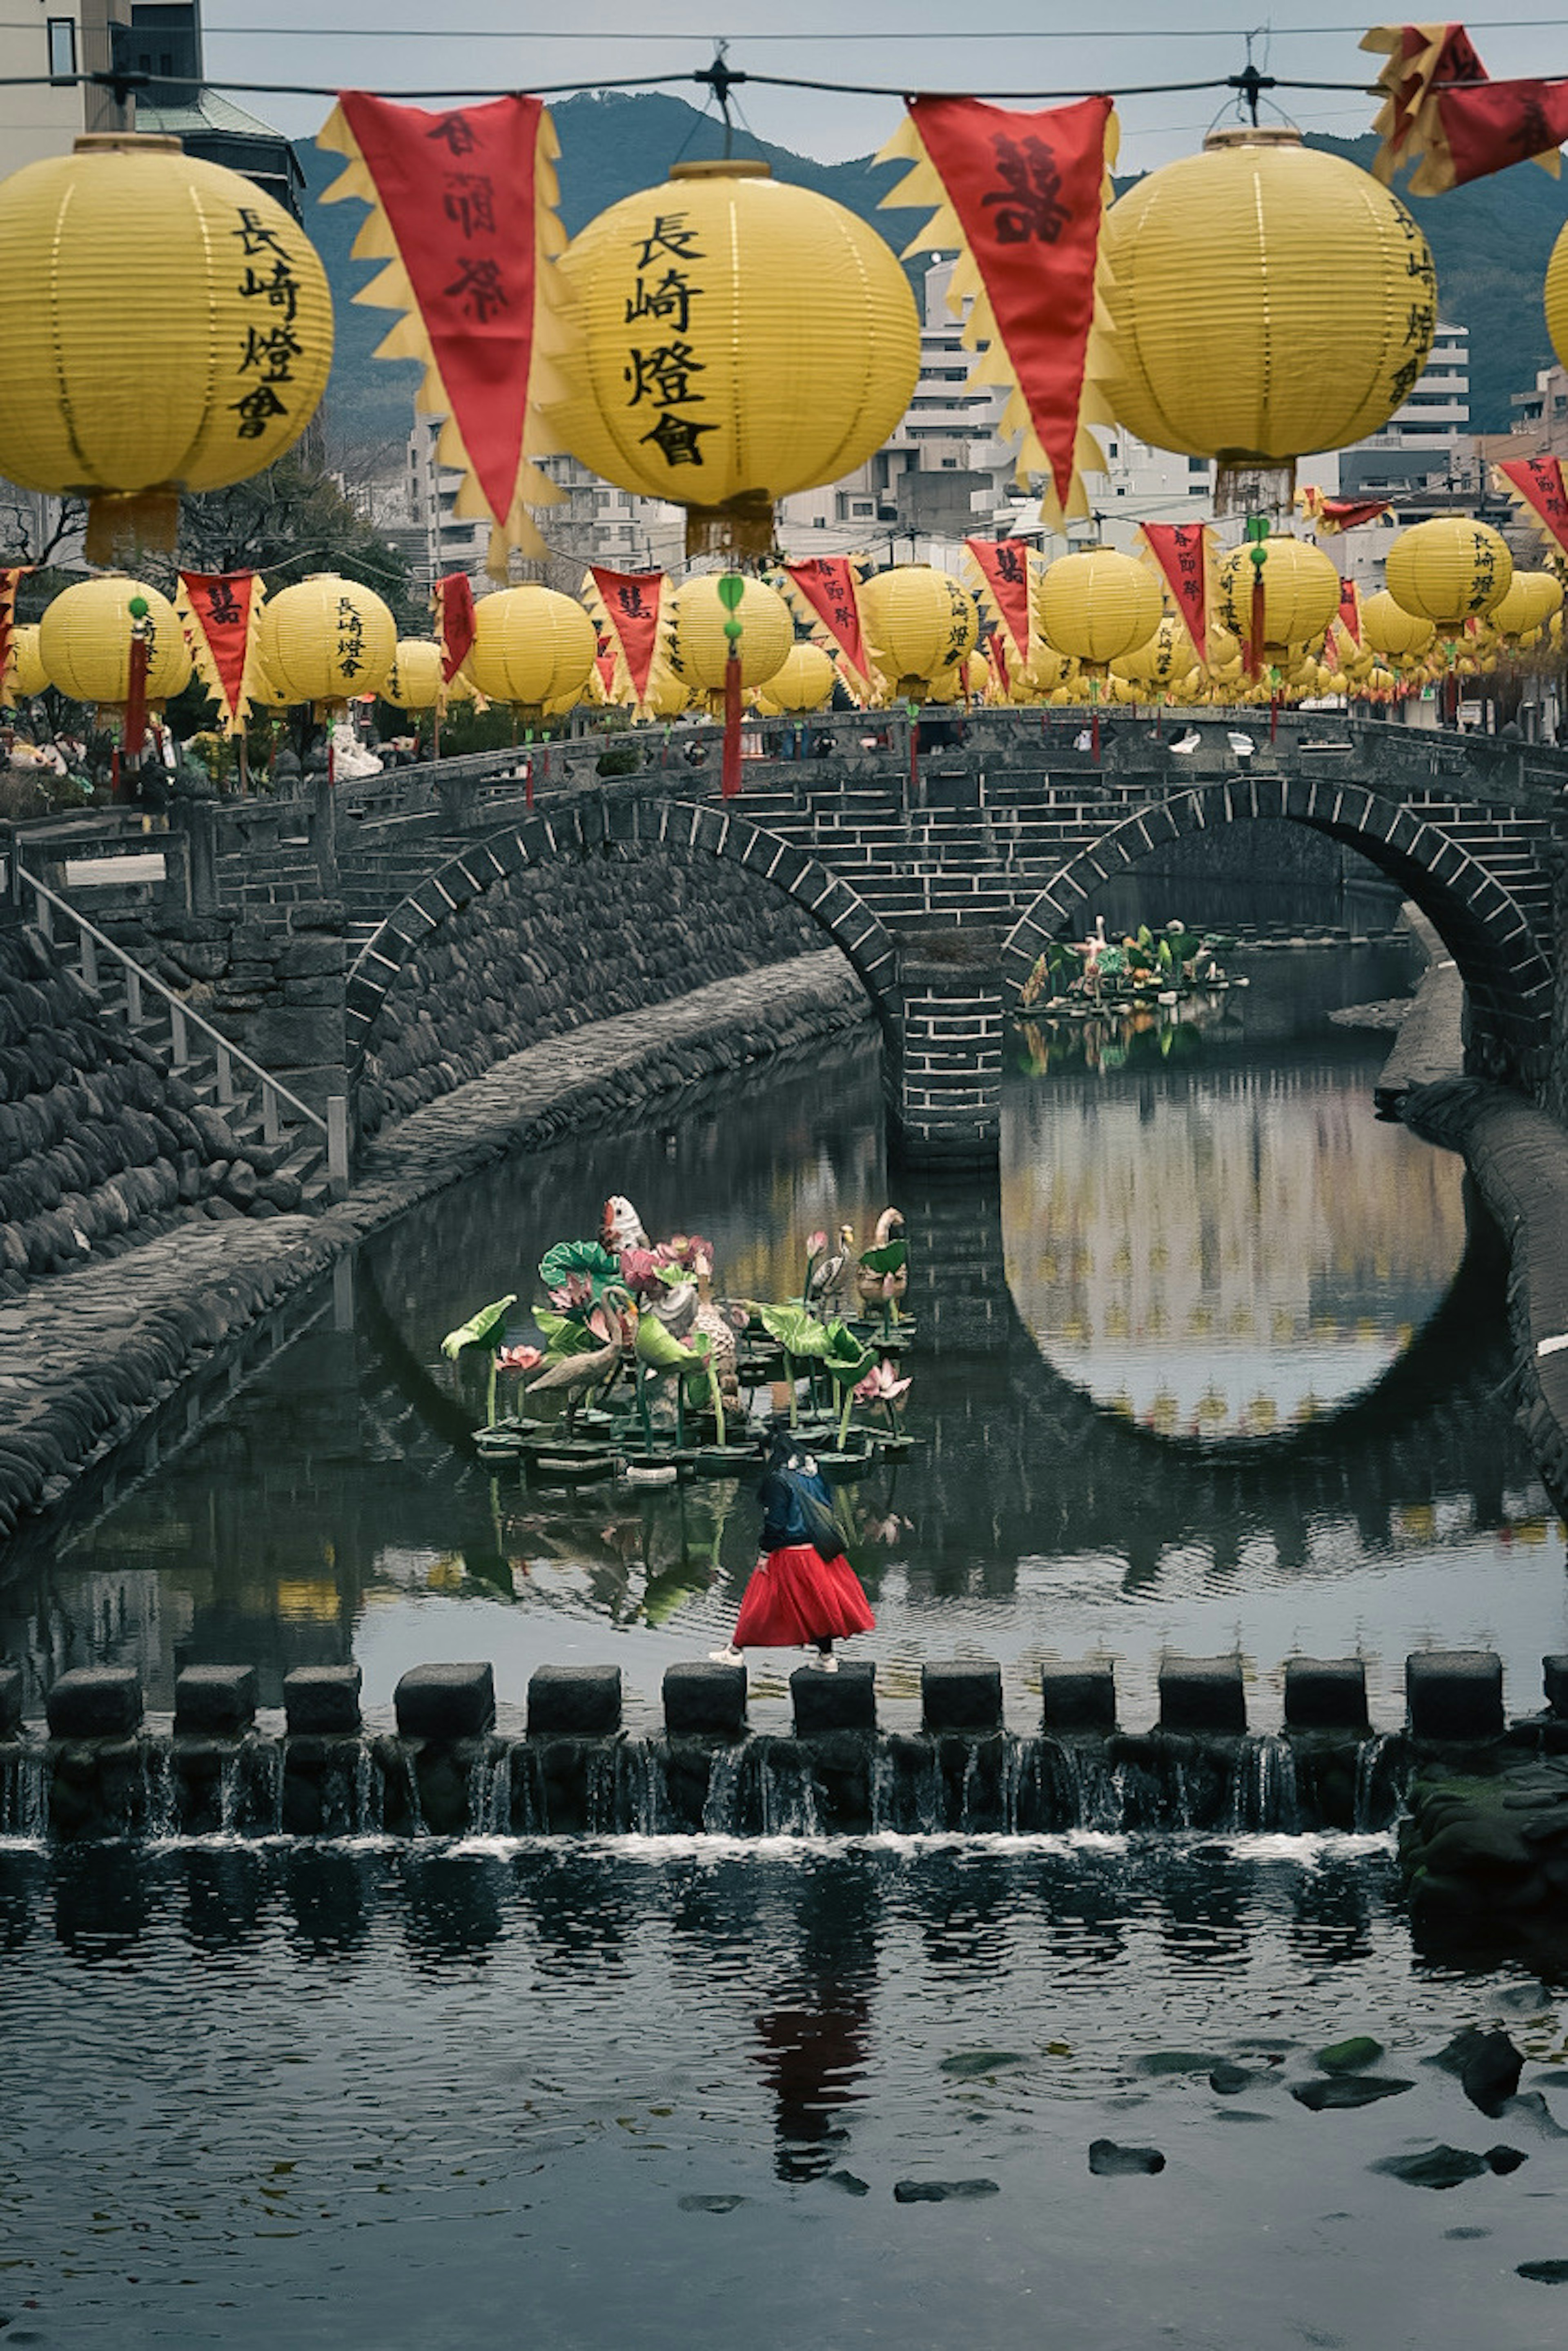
column 455, row 623
column 1328, row 515
column 219, row 611
column 466, row 218
column 1350, row 610
column 828, row 584
column 1502, row 122
column 1004, row 567
column 631, row 601
column 1181, row 552
column 1418, row 55
column 1029, row 192
column 10, row 578
column 1539, row 482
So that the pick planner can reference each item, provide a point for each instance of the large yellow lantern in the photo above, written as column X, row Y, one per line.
column 1229, row 269
column 1300, row 591
column 732, row 338
column 1392, row 632
column 1098, row 604
column 1163, row 662
column 1532, row 599
column 1555, row 297
column 1449, row 571
column 918, row 622
column 531, row 645
column 698, row 648
column 804, row 681
column 25, row 673
column 85, row 637
column 326, row 639
column 415, row 681
column 171, row 329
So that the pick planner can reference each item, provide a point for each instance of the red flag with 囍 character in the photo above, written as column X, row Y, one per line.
column 456, row 621
column 1181, row 553
column 464, row 220
column 631, row 608
column 828, row 584
column 1538, row 480
column 1004, row 567
column 219, row 611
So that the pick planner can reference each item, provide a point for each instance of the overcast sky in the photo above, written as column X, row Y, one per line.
column 480, row 48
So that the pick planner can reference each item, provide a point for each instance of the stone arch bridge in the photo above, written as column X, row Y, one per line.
column 942, row 876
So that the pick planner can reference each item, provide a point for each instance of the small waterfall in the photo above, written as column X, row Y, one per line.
column 370, row 1794
column 1373, row 1803
column 530, row 1813
column 490, row 1791
column 721, row 1803
column 1263, row 1793
column 643, row 1795
column 884, row 1784
column 229, row 1791
column 600, row 1791
column 160, row 1807
column 788, row 1796
column 966, row 1793
column 23, row 1805
column 416, row 1825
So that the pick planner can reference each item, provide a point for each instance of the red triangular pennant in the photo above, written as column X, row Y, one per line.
column 1004, row 565
column 1539, row 482
column 828, row 584
column 221, row 608
column 1181, row 550
column 631, row 608
column 1502, row 123
column 456, row 623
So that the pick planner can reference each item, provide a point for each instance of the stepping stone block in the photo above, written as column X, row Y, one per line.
column 1079, row 1697
column 1325, row 1694
column 574, row 1702
column 320, row 1700
column 1454, row 1693
column 827, row 1702
column 217, row 1699
column 1203, row 1694
column 95, row 1702
column 705, row 1701
column 961, row 1696
column 446, row 1701
column 1555, row 1671
column 10, row 1700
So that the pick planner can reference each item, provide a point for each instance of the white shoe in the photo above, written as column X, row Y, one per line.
column 824, row 1661
column 726, row 1658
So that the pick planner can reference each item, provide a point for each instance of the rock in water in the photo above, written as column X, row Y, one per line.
column 1504, row 2160
column 1353, row 2056
column 942, row 2191
column 1347, row 2090
column 1543, row 2273
column 1109, row 2161
column 1437, row 2167
column 1230, row 2081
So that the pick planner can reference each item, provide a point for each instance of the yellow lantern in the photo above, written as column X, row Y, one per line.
column 1449, row 569
column 1224, row 267
column 531, row 645
column 326, row 639
column 1532, row 599
column 918, row 622
column 1300, row 591
column 1098, row 605
column 732, row 338
column 25, row 673
column 1555, row 297
column 171, row 330
column 84, row 641
column 1168, row 656
column 698, row 648
column 415, row 681
column 804, row 681
column 1388, row 629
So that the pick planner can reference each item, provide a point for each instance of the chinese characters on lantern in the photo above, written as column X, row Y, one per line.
column 1421, row 311
column 271, row 346
column 661, row 374
column 350, row 628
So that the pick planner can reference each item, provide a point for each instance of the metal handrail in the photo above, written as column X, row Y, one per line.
column 182, row 1018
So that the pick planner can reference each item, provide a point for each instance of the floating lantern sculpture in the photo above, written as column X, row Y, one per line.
column 178, row 332
column 730, row 340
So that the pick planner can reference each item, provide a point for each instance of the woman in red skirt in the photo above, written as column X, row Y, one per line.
column 804, row 1592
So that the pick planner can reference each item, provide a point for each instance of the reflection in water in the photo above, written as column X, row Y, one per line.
column 814, row 2037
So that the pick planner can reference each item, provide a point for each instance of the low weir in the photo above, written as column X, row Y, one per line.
column 101, row 1770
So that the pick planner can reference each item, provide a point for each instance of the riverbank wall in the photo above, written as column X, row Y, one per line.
column 94, row 1355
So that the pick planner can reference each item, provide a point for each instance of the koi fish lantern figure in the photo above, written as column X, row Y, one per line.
column 643, row 1268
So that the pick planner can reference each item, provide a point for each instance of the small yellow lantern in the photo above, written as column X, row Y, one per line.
column 1389, row 631
column 804, row 681
column 85, row 636
column 732, row 338
column 698, row 648
column 531, row 645
column 171, row 329
column 326, row 640
column 1448, row 570
column 1532, row 599
column 918, row 622
column 1300, row 591
column 1098, row 604
column 415, row 681
column 25, row 673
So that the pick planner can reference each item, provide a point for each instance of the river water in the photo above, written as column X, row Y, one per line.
column 1215, row 1366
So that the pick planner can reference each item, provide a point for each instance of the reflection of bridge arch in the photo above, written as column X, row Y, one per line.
column 1508, row 981
column 586, row 826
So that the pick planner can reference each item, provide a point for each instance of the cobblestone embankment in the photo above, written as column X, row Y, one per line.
column 86, row 1357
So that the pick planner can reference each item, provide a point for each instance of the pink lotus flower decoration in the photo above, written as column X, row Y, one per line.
column 882, row 1385
column 519, row 1358
column 640, row 1271
column 575, row 1291
column 815, row 1244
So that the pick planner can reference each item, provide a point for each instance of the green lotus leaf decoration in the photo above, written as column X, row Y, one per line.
column 795, row 1329
column 486, row 1329
column 564, row 1335
column 891, row 1257
column 663, row 1353
column 591, row 1259
column 846, row 1358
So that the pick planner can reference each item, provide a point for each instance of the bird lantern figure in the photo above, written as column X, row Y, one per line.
column 1224, row 267
column 1449, row 571
column 326, row 641
column 730, row 340
column 88, row 637
column 918, row 622
column 178, row 332
column 531, row 646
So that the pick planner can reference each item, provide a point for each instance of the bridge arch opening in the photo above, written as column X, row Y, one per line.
column 1508, row 981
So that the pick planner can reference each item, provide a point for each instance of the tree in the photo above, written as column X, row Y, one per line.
column 287, row 522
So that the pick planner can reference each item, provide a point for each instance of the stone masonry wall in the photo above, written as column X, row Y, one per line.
column 552, row 948
column 99, row 1149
